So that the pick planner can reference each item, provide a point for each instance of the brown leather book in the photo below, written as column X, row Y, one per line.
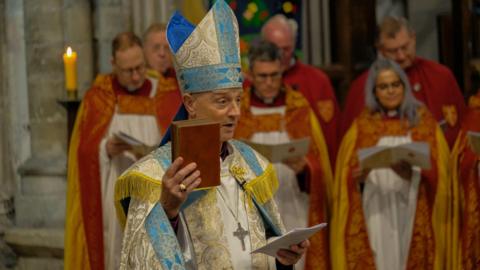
column 198, row 140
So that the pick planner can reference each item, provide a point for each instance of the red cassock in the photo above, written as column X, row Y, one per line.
column 316, row 87
column 432, row 83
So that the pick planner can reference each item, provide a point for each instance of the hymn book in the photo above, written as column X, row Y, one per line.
column 278, row 152
column 415, row 153
column 198, row 141
column 474, row 140
column 138, row 147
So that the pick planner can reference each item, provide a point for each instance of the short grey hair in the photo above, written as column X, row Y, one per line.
column 390, row 26
column 291, row 24
column 264, row 51
column 408, row 108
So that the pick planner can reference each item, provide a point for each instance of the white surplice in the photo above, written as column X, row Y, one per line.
column 145, row 129
column 389, row 205
column 291, row 201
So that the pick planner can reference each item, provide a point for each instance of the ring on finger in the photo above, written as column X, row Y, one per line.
column 183, row 188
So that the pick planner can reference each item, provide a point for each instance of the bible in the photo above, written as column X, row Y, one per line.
column 198, row 141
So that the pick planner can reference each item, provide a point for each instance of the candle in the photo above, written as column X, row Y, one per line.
column 70, row 63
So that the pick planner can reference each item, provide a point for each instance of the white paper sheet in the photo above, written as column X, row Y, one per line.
column 278, row 152
column 415, row 153
column 293, row 237
column 474, row 140
column 138, row 147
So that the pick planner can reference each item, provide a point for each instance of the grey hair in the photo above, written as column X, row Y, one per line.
column 291, row 24
column 264, row 51
column 409, row 106
column 390, row 26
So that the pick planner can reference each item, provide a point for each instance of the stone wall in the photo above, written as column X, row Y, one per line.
column 44, row 40
column 423, row 17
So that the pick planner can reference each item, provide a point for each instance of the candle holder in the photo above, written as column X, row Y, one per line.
column 71, row 103
column 72, row 94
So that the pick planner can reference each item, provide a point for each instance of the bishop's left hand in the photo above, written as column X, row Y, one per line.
column 292, row 255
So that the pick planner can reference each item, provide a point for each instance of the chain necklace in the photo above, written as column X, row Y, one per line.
column 240, row 232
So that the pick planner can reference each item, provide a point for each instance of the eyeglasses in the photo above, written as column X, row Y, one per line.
column 130, row 71
column 393, row 85
column 262, row 77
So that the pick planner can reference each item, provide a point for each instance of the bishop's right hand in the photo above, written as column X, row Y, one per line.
column 177, row 183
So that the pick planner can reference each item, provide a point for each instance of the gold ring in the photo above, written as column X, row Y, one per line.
column 183, row 188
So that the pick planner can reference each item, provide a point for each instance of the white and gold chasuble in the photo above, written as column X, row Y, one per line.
column 205, row 231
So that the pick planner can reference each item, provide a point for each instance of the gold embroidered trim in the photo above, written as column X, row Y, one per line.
column 263, row 187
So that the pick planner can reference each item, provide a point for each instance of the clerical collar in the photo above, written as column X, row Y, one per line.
column 257, row 101
column 144, row 90
column 391, row 114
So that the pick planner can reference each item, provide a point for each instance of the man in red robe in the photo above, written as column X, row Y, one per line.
column 272, row 112
column 124, row 101
column 310, row 81
column 158, row 56
column 432, row 83
column 466, row 172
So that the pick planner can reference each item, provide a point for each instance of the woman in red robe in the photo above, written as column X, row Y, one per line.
column 402, row 216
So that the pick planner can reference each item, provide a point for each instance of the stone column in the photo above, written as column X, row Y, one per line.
column 422, row 16
column 316, row 32
column 111, row 18
column 147, row 12
column 77, row 32
column 6, row 178
column 44, row 40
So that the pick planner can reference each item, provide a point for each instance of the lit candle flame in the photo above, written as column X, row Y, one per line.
column 69, row 52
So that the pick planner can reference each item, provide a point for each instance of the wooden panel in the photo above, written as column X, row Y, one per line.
column 353, row 33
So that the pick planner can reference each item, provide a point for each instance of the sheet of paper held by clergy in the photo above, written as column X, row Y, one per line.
column 415, row 153
column 474, row 139
column 293, row 237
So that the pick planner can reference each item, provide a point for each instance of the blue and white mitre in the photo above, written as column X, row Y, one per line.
column 206, row 57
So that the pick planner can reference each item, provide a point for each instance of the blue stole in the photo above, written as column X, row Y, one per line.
column 163, row 238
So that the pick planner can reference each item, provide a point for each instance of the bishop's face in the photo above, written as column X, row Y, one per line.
column 389, row 89
column 222, row 106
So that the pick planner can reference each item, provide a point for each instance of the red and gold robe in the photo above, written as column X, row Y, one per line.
column 300, row 122
column 84, row 228
column 465, row 172
column 432, row 83
column 316, row 87
column 434, row 235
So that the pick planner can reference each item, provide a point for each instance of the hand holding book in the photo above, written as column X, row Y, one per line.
column 198, row 141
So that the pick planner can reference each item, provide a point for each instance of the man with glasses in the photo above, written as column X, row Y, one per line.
column 272, row 112
column 308, row 80
column 122, row 104
column 432, row 83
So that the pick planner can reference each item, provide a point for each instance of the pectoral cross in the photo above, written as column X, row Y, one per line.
column 240, row 233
